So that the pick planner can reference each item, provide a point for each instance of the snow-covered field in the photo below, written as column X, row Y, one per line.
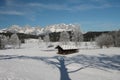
column 36, row 62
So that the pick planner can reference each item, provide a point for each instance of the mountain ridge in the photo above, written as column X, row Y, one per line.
column 38, row 30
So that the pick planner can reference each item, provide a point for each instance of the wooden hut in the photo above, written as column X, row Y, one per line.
column 66, row 49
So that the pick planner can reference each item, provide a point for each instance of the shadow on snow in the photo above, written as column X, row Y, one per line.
column 102, row 62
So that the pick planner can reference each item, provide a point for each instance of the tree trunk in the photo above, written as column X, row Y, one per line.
column 63, row 70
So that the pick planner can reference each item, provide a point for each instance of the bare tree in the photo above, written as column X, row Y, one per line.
column 64, row 38
column 104, row 40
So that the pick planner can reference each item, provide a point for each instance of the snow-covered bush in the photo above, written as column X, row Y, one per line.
column 104, row 40
column 64, row 38
column 116, row 37
column 3, row 41
column 14, row 41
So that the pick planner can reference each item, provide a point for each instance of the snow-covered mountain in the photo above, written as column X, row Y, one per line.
column 38, row 30
column 60, row 27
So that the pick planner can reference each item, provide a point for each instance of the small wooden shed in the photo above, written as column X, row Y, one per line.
column 66, row 49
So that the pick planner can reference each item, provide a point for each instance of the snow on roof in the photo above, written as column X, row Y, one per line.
column 66, row 47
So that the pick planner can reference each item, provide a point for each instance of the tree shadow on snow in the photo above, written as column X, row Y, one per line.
column 102, row 62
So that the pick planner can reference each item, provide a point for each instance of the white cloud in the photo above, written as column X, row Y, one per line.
column 9, row 2
column 49, row 6
column 12, row 6
column 11, row 13
column 68, row 7
column 90, row 6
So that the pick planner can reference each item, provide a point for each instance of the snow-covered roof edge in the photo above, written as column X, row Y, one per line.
column 66, row 47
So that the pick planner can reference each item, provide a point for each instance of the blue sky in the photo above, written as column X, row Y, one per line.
column 92, row 15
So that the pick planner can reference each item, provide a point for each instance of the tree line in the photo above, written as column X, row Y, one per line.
column 106, row 39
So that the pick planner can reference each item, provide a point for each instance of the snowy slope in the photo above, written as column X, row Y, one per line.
column 37, row 62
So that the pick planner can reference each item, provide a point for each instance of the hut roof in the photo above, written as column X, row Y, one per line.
column 68, row 47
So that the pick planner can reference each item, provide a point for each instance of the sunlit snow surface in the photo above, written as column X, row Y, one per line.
column 34, row 61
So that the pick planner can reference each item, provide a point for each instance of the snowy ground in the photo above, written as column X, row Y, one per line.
column 33, row 62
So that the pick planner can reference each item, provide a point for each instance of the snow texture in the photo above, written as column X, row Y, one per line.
column 32, row 62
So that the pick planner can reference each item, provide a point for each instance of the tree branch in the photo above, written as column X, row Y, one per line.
column 79, row 69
